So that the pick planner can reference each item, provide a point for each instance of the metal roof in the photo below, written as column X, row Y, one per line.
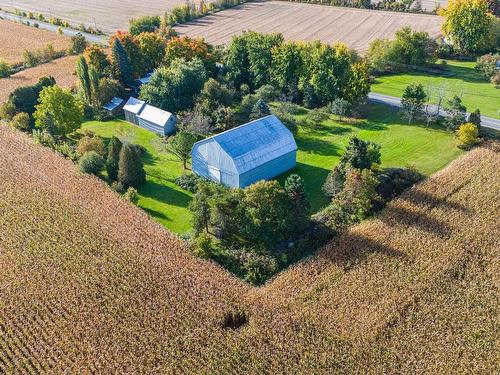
column 154, row 115
column 255, row 143
column 114, row 103
column 134, row 105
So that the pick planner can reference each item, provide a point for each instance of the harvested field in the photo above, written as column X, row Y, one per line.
column 61, row 69
column 107, row 16
column 355, row 27
column 15, row 38
column 91, row 285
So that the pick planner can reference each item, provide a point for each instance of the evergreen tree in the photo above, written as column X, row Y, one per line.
column 259, row 110
column 456, row 113
column 82, row 72
column 294, row 187
column 121, row 63
column 112, row 162
column 130, row 168
column 475, row 118
column 412, row 101
column 200, row 209
column 356, row 155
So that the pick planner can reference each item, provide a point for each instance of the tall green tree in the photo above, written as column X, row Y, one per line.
column 237, row 61
column 174, row 88
column 130, row 168
column 121, row 63
column 180, row 145
column 259, row 110
column 82, row 72
column 59, row 111
column 286, row 68
column 456, row 113
column 200, row 209
column 466, row 23
column 113, row 158
column 412, row 101
column 294, row 187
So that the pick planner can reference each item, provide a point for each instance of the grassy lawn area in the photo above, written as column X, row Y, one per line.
column 461, row 79
column 160, row 196
column 319, row 150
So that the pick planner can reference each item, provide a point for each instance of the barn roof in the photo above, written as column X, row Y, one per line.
column 155, row 115
column 255, row 143
column 134, row 105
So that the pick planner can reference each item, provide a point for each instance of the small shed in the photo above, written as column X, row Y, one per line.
column 259, row 150
column 115, row 106
column 156, row 120
column 132, row 108
column 137, row 84
column 148, row 117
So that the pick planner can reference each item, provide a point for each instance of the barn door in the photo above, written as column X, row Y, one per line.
column 214, row 173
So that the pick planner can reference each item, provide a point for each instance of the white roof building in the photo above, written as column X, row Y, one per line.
column 151, row 118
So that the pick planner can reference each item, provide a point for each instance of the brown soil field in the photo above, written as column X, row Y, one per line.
column 61, row 69
column 296, row 21
column 90, row 284
column 15, row 38
column 108, row 15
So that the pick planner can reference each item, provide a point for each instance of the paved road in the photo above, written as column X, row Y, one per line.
column 91, row 38
column 487, row 122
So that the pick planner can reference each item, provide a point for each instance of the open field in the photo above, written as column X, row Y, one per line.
column 296, row 21
column 16, row 38
column 319, row 150
column 107, row 16
column 460, row 78
column 61, row 69
column 91, row 285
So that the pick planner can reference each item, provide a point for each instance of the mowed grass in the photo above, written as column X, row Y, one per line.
column 320, row 149
column 160, row 196
column 460, row 78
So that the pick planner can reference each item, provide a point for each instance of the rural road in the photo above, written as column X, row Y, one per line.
column 487, row 122
column 91, row 38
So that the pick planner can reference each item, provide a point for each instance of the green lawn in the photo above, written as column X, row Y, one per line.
column 461, row 79
column 319, row 150
column 160, row 196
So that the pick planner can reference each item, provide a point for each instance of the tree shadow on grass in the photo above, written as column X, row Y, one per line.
column 165, row 194
column 313, row 145
column 157, row 214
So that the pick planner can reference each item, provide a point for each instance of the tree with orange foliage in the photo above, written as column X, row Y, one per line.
column 189, row 49
column 131, row 45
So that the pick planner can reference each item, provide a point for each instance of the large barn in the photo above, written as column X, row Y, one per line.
column 259, row 150
column 149, row 117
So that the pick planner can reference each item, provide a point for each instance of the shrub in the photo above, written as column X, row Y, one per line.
column 495, row 80
column 7, row 110
column 487, row 65
column 288, row 120
column 43, row 137
column 259, row 110
column 341, row 108
column 5, row 69
column 90, row 143
column 267, row 93
column 145, row 24
column 203, row 247
column 91, row 163
column 316, row 116
column 78, row 44
column 258, row 268
column 188, row 181
column 468, row 135
column 67, row 150
column 131, row 195
column 21, row 121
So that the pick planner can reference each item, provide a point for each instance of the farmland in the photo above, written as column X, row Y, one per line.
column 355, row 27
column 61, row 69
column 459, row 78
column 107, row 16
column 16, row 38
column 90, row 284
column 319, row 150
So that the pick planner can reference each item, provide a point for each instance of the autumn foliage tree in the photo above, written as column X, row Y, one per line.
column 466, row 23
column 189, row 49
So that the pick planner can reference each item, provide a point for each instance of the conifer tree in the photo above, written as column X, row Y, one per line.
column 82, row 72
column 294, row 187
column 130, row 168
column 259, row 110
column 113, row 159
column 121, row 63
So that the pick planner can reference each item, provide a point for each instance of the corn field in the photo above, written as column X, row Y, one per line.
column 90, row 284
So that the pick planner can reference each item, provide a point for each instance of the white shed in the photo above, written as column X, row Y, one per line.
column 148, row 117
